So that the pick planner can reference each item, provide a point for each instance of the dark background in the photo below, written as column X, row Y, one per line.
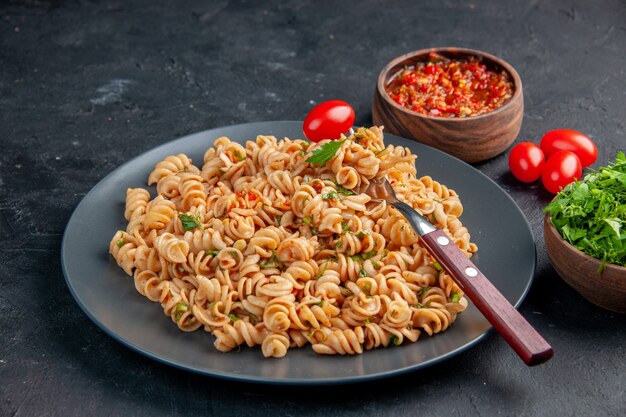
column 85, row 86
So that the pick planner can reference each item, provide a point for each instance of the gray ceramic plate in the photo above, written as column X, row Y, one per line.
column 107, row 295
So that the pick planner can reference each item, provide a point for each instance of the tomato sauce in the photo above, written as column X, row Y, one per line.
column 450, row 88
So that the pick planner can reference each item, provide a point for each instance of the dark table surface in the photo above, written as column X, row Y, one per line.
column 85, row 86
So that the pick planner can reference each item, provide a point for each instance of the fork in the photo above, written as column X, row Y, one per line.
column 511, row 325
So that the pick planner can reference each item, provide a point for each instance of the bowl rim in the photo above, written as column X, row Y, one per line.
column 517, row 82
column 548, row 222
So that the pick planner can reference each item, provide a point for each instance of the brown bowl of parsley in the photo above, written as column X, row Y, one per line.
column 585, row 235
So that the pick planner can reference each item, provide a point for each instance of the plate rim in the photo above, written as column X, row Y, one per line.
column 350, row 379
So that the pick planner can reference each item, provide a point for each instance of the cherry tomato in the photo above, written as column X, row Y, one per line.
column 328, row 120
column 561, row 168
column 526, row 161
column 570, row 140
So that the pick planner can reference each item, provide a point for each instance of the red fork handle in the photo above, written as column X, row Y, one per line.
column 513, row 327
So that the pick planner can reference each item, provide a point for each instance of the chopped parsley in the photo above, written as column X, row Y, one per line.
column 307, row 220
column 437, row 265
column 358, row 258
column 191, row 222
column 338, row 244
column 328, row 196
column 212, row 252
column 120, row 242
column 345, row 227
column 234, row 254
column 239, row 156
column 272, row 262
column 367, row 287
column 591, row 214
column 362, row 273
column 325, row 153
column 181, row 308
column 320, row 304
column 376, row 265
column 394, row 340
column 423, row 290
column 369, row 254
column 343, row 190
column 232, row 317
column 362, row 233
column 454, row 297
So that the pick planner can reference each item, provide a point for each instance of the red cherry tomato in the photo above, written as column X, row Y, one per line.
column 561, row 168
column 328, row 120
column 526, row 161
column 570, row 140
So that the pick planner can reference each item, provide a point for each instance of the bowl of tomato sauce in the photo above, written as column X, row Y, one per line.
column 465, row 102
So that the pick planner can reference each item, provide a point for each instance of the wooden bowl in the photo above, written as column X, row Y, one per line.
column 580, row 271
column 472, row 139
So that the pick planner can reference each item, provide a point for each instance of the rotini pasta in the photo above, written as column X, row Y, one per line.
column 261, row 248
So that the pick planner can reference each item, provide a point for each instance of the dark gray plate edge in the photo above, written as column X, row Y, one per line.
column 290, row 381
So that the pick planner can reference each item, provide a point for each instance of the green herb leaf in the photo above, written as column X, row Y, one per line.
column 362, row 273
column 357, row 258
column 381, row 151
column 239, row 156
column 212, row 252
column 325, row 153
column 328, row 196
column 454, row 297
column 423, row 290
column 369, row 254
column 367, row 287
column 273, row 261
column 120, row 243
column 232, row 317
column 375, row 264
column 437, row 266
column 338, row 244
column 307, row 220
column 345, row 227
column 362, row 233
column 394, row 340
column 181, row 308
column 320, row 304
column 343, row 190
column 190, row 222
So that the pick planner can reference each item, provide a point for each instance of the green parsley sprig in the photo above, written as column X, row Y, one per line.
column 191, row 222
column 325, row 153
